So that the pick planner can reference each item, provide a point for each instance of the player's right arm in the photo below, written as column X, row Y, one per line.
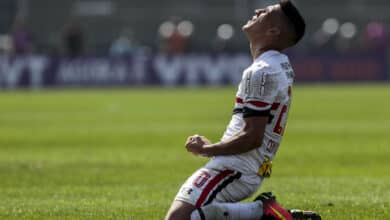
column 250, row 137
column 260, row 90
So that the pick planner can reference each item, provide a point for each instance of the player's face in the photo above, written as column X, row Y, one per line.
column 262, row 19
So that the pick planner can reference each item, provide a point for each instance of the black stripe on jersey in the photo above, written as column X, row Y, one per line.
column 201, row 214
column 271, row 117
column 255, row 113
column 237, row 111
column 221, row 187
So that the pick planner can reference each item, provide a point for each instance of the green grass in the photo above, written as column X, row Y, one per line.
column 118, row 154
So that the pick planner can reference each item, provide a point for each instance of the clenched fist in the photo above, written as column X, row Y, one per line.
column 195, row 144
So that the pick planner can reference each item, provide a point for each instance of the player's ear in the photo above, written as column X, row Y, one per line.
column 273, row 31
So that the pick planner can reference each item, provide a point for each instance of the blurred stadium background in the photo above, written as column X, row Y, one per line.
column 118, row 42
column 102, row 153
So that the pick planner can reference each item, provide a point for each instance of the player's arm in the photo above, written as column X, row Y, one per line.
column 248, row 139
column 261, row 90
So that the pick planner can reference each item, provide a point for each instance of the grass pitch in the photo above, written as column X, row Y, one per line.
column 118, row 154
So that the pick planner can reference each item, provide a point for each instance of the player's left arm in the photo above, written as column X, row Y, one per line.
column 250, row 137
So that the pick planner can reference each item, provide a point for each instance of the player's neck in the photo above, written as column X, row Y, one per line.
column 257, row 50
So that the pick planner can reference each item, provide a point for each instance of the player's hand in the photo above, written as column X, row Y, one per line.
column 195, row 144
column 199, row 138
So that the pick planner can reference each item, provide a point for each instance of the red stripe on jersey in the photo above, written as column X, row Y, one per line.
column 275, row 106
column 258, row 104
column 239, row 100
column 211, row 186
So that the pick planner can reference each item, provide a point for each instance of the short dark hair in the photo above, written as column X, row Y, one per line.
column 295, row 18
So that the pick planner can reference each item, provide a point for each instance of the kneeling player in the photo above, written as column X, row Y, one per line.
column 242, row 159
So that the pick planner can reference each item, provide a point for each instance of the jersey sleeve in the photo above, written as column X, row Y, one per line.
column 261, row 89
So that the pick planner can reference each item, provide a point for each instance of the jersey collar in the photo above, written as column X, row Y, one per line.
column 266, row 54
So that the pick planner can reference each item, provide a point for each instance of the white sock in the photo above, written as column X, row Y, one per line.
column 229, row 211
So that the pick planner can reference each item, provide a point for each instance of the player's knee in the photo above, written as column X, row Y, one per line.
column 180, row 211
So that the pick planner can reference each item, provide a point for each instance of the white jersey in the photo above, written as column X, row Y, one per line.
column 265, row 88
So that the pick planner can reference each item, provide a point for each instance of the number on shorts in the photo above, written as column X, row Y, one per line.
column 201, row 179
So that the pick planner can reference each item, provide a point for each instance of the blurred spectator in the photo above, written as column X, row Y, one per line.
column 124, row 44
column 176, row 43
column 175, row 34
column 73, row 39
column 21, row 37
column 375, row 36
column 5, row 44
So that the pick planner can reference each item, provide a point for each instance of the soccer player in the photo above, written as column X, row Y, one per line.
column 242, row 159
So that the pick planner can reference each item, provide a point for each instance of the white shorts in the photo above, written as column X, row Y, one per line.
column 209, row 185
